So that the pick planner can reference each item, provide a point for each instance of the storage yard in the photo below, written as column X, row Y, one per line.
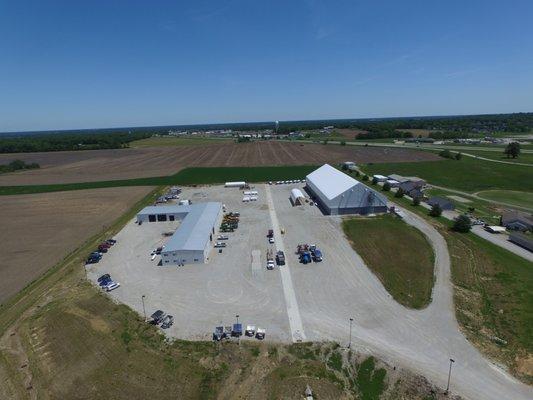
column 242, row 288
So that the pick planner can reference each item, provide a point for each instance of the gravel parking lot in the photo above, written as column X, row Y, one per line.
column 301, row 302
column 202, row 296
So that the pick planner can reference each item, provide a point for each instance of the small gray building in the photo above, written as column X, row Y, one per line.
column 191, row 242
column 517, row 221
column 523, row 240
column 338, row 193
column 444, row 203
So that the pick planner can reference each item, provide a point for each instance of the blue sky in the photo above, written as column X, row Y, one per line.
column 73, row 64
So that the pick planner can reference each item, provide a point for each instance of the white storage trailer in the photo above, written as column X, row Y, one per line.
column 235, row 184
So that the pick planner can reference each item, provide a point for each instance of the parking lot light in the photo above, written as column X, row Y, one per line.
column 237, row 316
column 144, row 309
column 350, row 343
column 449, row 376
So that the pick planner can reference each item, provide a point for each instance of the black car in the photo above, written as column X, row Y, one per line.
column 157, row 317
column 104, row 277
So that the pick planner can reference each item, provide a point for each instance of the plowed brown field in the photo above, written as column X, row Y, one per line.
column 38, row 230
column 100, row 165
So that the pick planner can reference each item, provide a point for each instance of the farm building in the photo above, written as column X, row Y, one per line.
column 338, row 193
column 297, row 197
column 444, row 204
column 526, row 241
column 517, row 221
column 190, row 244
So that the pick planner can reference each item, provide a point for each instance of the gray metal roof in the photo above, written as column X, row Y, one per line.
column 195, row 228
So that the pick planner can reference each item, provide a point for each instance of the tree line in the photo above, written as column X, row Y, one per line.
column 61, row 142
column 17, row 165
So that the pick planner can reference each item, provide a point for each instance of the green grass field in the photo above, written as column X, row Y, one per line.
column 525, row 158
column 468, row 174
column 408, row 279
column 165, row 141
column 188, row 176
column 492, row 293
column 522, row 199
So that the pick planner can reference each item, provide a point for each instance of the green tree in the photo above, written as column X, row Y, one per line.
column 374, row 181
column 416, row 201
column 357, row 173
column 386, row 187
column 462, row 224
column 512, row 150
column 365, row 178
column 446, row 153
column 399, row 193
column 436, row 211
column 458, row 156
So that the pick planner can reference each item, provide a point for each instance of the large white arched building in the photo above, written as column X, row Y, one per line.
column 338, row 193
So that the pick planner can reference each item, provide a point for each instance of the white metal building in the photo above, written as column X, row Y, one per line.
column 338, row 193
column 191, row 242
column 297, row 197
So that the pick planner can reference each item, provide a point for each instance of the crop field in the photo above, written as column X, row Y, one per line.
column 164, row 141
column 39, row 230
column 104, row 165
column 408, row 278
column 468, row 174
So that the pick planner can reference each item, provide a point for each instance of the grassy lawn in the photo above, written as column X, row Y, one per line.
column 176, row 141
column 493, row 294
column 493, row 297
column 408, row 279
column 525, row 158
column 523, row 199
column 187, row 176
column 482, row 209
column 468, row 174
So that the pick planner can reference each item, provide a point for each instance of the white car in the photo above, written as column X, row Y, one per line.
column 111, row 286
column 271, row 240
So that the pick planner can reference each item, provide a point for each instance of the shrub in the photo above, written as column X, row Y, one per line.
column 446, row 153
column 374, row 181
column 365, row 178
column 512, row 150
column 436, row 211
column 458, row 156
column 343, row 143
column 357, row 173
column 399, row 193
column 386, row 187
column 416, row 201
column 462, row 224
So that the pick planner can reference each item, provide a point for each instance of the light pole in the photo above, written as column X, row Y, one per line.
column 350, row 344
column 449, row 376
column 144, row 309
column 237, row 316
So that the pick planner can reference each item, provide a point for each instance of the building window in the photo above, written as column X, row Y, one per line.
column 151, row 218
column 195, row 259
column 161, row 217
column 171, row 218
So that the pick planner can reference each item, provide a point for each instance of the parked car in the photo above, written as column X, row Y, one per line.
column 168, row 321
column 260, row 333
column 280, row 258
column 220, row 244
column 250, row 330
column 111, row 241
column 112, row 285
column 157, row 317
column 271, row 240
column 219, row 334
column 104, row 277
column 103, row 283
